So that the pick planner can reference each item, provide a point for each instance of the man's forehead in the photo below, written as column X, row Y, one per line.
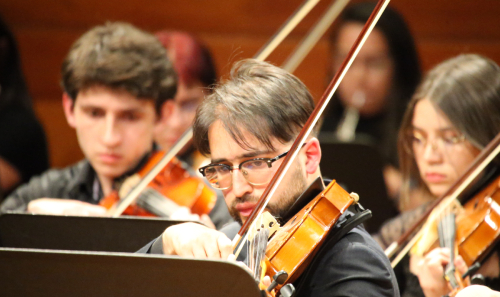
column 109, row 98
column 224, row 146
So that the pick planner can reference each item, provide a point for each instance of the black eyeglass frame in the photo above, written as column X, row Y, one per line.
column 269, row 162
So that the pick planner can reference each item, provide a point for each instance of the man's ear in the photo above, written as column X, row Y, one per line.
column 313, row 155
column 68, row 107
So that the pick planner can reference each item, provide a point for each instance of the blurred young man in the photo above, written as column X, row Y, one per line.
column 115, row 80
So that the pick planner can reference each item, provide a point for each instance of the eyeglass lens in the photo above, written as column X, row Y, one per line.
column 256, row 172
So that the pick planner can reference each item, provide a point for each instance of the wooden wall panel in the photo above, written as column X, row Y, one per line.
column 63, row 146
column 232, row 29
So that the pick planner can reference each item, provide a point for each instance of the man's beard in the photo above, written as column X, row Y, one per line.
column 297, row 184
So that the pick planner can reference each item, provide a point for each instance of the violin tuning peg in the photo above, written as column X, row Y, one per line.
column 472, row 270
column 354, row 197
column 477, row 279
column 278, row 279
column 288, row 290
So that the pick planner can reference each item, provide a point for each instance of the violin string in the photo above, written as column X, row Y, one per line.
column 135, row 192
column 260, row 244
column 156, row 203
column 445, row 203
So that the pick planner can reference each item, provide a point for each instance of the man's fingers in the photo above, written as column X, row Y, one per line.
column 224, row 246
column 212, row 250
column 205, row 219
column 460, row 265
column 438, row 256
column 199, row 252
column 95, row 211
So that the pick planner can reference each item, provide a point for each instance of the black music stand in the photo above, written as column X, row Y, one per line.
column 27, row 272
column 358, row 168
column 123, row 234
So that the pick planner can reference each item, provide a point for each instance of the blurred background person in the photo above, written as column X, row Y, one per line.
column 196, row 73
column 23, row 146
column 453, row 115
column 369, row 103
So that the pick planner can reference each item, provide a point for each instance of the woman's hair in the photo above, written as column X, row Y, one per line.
column 400, row 43
column 191, row 58
column 402, row 50
column 466, row 89
column 13, row 92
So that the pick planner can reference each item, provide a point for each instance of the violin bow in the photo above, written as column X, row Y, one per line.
column 478, row 165
column 314, row 35
column 150, row 176
column 311, row 122
column 186, row 138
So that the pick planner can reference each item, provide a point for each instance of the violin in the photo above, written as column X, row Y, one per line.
column 473, row 233
column 293, row 246
column 167, row 190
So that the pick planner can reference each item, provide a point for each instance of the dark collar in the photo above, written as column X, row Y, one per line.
column 84, row 178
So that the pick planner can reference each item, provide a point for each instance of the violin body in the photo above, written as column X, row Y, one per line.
column 172, row 187
column 478, row 226
column 294, row 245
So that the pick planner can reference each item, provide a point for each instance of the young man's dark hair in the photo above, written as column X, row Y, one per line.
column 118, row 55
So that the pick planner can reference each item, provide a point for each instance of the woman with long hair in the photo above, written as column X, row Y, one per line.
column 377, row 87
column 453, row 115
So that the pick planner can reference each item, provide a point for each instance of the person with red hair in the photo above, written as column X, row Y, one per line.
column 196, row 73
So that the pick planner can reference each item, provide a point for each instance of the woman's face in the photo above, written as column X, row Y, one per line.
column 367, row 84
column 178, row 115
column 441, row 152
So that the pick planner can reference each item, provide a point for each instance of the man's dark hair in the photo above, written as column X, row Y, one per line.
column 120, row 56
column 260, row 98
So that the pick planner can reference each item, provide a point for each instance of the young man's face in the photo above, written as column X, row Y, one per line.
column 113, row 127
column 241, row 197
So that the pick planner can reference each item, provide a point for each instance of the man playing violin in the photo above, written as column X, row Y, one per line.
column 115, row 79
column 248, row 125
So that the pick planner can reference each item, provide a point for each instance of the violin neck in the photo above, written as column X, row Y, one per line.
column 447, row 237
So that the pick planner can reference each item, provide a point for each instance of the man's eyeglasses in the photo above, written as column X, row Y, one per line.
column 256, row 171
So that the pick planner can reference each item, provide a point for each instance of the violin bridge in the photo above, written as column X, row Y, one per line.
column 264, row 221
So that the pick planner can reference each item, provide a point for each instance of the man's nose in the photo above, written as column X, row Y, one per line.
column 112, row 135
column 240, row 184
